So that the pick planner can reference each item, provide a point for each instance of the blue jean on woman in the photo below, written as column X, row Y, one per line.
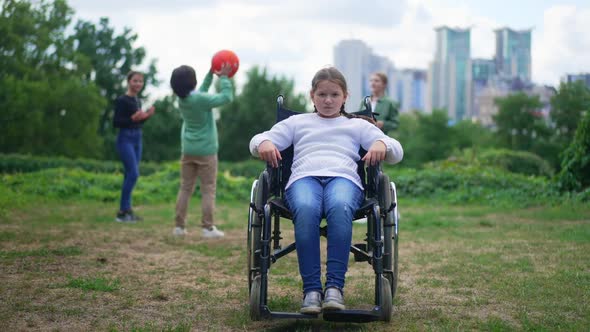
column 129, row 146
column 310, row 199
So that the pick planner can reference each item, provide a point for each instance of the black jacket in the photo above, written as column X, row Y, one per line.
column 125, row 107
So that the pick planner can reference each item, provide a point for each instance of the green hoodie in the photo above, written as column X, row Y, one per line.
column 388, row 113
column 199, row 131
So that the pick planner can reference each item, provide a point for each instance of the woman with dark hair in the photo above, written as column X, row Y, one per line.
column 129, row 118
column 385, row 107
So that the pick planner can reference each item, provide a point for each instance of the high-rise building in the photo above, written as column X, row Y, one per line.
column 482, row 71
column 449, row 74
column 357, row 62
column 409, row 89
column 584, row 77
column 513, row 53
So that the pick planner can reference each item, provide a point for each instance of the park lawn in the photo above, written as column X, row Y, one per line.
column 69, row 266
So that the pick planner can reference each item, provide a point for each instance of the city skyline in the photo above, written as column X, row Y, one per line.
column 189, row 32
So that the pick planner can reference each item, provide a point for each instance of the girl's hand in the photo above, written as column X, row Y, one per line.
column 269, row 153
column 139, row 116
column 376, row 153
column 225, row 69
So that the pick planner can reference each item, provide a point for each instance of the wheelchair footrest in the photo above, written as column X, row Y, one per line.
column 361, row 256
column 353, row 316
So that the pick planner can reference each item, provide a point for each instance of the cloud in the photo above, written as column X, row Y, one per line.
column 296, row 37
column 117, row 6
column 564, row 44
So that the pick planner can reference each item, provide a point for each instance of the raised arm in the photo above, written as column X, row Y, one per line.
column 206, row 82
column 224, row 96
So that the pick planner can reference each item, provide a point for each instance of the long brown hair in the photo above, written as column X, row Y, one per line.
column 335, row 76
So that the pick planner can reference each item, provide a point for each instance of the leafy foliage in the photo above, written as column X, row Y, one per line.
column 253, row 111
column 567, row 106
column 518, row 121
column 58, row 82
column 47, row 108
column 521, row 162
column 447, row 181
column 462, row 184
column 575, row 172
column 16, row 163
column 161, row 134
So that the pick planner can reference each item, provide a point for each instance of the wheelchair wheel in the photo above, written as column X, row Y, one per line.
column 255, row 230
column 386, row 194
column 386, row 302
column 395, row 216
column 255, row 299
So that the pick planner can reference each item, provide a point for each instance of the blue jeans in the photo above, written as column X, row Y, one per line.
column 310, row 199
column 129, row 147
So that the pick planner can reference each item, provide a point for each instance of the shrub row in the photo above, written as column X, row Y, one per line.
column 445, row 182
column 17, row 163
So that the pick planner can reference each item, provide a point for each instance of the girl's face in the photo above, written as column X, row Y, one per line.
column 328, row 99
column 377, row 85
column 135, row 84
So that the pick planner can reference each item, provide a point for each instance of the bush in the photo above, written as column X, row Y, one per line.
column 521, row 162
column 445, row 181
column 76, row 183
column 458, row 183
column 18, row 163
column 575, row 167
column 250, row 168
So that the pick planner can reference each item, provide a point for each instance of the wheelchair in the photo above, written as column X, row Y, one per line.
column 380, row 249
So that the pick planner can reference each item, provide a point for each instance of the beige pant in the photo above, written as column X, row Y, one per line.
column 191, row 168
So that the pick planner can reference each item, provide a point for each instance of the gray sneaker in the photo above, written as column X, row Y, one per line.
column 333, row 300
column 311, row 303
column 127, row 217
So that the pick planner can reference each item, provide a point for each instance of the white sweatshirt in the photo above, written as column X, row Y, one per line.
column 326, row 146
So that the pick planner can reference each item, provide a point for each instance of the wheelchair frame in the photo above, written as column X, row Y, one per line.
column 380, row 249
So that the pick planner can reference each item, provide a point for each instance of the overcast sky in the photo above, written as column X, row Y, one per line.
column 296, row 37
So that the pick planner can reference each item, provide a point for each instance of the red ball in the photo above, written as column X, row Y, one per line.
column 224, row 56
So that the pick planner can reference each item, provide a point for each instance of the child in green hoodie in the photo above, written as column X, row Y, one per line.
column 199, row 143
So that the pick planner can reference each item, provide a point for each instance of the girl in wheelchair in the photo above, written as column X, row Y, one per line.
column 324, row 181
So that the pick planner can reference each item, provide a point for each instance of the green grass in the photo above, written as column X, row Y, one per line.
column 69, row 266
column 99, row 284
column 41, row 252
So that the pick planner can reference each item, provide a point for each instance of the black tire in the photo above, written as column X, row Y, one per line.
column 386, row 302
column 255, row 299
column 253, row 242
column 389, row 250
column 259, row 196
column 395, row 215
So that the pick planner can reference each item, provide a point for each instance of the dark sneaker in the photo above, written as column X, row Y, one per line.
column 311, row 303
column 126, row 217
column 134, row 216
column 333, row 300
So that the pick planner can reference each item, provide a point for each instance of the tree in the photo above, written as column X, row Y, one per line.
column 47, row 108
column 105, row 58
column 575, row 171
column 161, row 134
column 253, row 112
column 425, row 137
column 518, row 121
column 466, row 134
column 567, row 106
